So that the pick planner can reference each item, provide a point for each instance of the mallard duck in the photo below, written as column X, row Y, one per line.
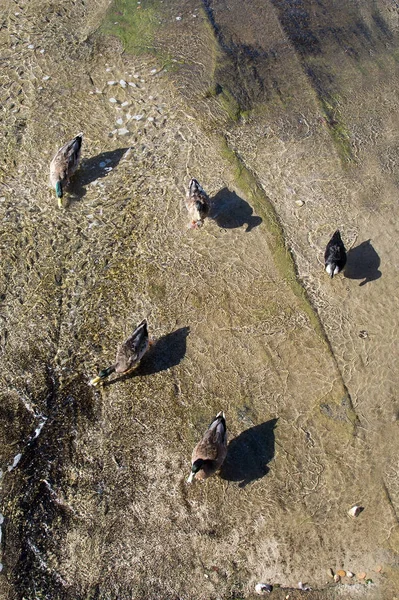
column 197, row 203
column 129, row 353
column 335, row 255
column 64, row 164
column 210, row 452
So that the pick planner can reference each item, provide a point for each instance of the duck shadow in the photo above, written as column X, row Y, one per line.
column 362, row 263
column 165, row 353
column 94, row 168
column 229, row 211
column 249, row 453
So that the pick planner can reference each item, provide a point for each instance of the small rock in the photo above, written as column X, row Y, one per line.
column 111, row 82
column 299, row 202
column 123, row 83
column 137, row 117
column 368, row 581
column 150, row 119
column 46, row 77
column 31, row 46
column 153, row 71
column 263, row 588
column 113, row 100
column 363, row 334
column 337, row 578
column 125, row 103
column 355, row 511
column 42, row 51
column 330, row 573
column 350, row 574
column 122, row 131
column 178, row 18
column 341, row 573
column 361, row 576
column 119, row 121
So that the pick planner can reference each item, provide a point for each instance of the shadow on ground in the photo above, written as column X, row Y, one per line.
column 249, row 453
column 230, row 211
column 167, row 352
column 363, row 262
column 94, row 168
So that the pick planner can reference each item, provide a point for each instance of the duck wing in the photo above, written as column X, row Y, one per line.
column 133, row 348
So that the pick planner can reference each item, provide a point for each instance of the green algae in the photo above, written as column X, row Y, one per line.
column 135, row 27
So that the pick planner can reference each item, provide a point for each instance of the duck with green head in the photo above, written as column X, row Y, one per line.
column 64, row 165
column 129, row 353
column 209, row 454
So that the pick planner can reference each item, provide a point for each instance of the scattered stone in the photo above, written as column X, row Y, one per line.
column 46, row 77
column 299, row 202
column 108, row 69
column 136, row 76
column 303, row 587
column 119, row 121
column 122, row 131
column 355, row 511
column 132, row 84
column 178, row 18
column 350, row 574
column 111, row 82
column 153, row 71
column 151, row 119
column 31, row 46
column 42, row 51
column 123, row 83
column 137, row 117
column 263, row 588
column 330, row 572
column 361, row 576
column 125, row 103
column 341, row 573
column 113, row 100
column 363, row 334
column 337, row 578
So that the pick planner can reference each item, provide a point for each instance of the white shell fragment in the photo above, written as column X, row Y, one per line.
column 111, row 82
column 263, row 588
column 137, row 117
column 303, row 587
column 113, row 100
column 119, row 121
column 123, row 131
column 355, row 511
column 299, row 202
column 350, row 574
column 337, row 578
column 123, row 83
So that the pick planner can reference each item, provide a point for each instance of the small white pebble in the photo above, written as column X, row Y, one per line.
column 108, row 69
column 46, row 77
column 122, row 131
column 102, row 164
column 111, row 82
column 31, row 46
column 40, row 87
column 150, row 119
column 136, row 76
column 150, row 97
column 142, row 80
column 137, row 117
column 132, row 84
column 98, row 92
column 108, row 169
column 113, row 100
column 119, row 121
column 178, row 18
column 123, row 83
column 125, row 103
column 153, row 71
column 42, row 51
column 16, row 14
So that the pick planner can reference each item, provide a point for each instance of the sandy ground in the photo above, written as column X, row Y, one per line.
column 97, row 505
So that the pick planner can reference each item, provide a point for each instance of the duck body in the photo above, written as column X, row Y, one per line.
column 64, row 165
column 197, row 203
column 129, row 353
column 209, row 454
column 335, row 255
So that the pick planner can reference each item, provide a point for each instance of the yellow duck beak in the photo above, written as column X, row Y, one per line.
column 95, row 380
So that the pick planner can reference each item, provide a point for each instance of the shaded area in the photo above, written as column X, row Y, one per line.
column 230, row 211
column 94, row 168
column 363, row 263
column 167, row 352
column 249, row 453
